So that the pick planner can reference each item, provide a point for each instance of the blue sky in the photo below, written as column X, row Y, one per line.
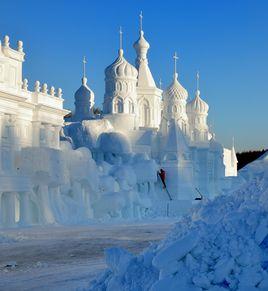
column 227, row 41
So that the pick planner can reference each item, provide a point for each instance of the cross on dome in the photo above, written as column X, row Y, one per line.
column 175, row 57
column 197, row 81
column 84, row 67
column 84, row 79
column 141, row 17
column 120, row 38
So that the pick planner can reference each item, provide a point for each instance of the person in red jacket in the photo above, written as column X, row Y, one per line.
column 162, row 175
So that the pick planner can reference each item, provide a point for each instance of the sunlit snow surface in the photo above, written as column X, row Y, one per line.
column 219, row 245
column 67, row 258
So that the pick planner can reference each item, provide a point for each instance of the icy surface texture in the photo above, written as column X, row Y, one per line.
column 221, row 245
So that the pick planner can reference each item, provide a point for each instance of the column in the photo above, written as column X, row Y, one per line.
column 36, row 133
column 56, row 138
column 8, row 209
column 25, row 218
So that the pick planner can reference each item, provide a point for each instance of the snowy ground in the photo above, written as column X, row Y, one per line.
column 67, row 258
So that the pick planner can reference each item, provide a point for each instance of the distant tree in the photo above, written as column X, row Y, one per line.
column 245, row 158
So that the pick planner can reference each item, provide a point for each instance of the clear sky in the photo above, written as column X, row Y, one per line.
column 227, row 41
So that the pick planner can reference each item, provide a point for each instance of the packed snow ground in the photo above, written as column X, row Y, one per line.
column 67, row 258
column 221, row 245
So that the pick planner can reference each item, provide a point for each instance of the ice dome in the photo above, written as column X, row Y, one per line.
column 84, row 101
column 176, row 90
column 120, row 68
column 141, row 43
column 84, row 92
column 197, row 105
column 114, row 142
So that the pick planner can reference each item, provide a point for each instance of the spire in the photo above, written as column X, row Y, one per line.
column 197, row 81
column 175, row 57
column 141, row 17
column 84, row 79
column 120, row 41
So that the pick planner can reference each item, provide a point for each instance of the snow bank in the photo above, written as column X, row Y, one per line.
column 221, row 245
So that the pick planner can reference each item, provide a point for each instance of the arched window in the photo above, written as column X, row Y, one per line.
column 144, row 112
column 119, row 107
column 175, row 109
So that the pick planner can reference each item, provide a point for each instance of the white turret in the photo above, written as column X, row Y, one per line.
column 197, row 111
column 84, row 99
column 149, row 96
column 120, row 86
column 175, row 98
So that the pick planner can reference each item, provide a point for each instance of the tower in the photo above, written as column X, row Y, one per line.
column 120, row 86
column 174, row 102
column 84, row 99
column 149, row 96
column 197, row 111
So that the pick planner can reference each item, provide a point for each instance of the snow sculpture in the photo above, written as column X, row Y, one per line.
column 170, row 130
column 103, row 166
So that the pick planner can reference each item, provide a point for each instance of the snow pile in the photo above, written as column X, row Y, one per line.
column 221, row 245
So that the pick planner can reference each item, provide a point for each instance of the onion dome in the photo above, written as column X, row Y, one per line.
column 176, row 90
column 84, row 92
column 197, row 105
column 120, row 68
column 141, row 45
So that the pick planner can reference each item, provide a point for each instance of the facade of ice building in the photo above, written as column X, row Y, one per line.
column 28, row 120
column 167, row 126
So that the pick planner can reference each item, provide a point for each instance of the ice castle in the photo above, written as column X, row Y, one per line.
column 102, row 166
column 165, row 125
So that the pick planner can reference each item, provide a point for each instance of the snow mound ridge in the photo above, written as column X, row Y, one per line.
column 221, row 245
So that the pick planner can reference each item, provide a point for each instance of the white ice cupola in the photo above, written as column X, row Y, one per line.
column 149, row 96
column 197, row 110
column 84, row 99
column 120, row 86
column 174, row 101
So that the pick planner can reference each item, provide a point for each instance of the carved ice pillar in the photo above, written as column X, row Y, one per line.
column 9, row 219
column 56, row 136
column 25, row 217
column 45, row 203
column 47, row 134
column 36, row 133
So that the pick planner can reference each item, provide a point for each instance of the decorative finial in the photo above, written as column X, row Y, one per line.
column 20, row 46
column 37, row 86
column 197, row 81
column 25, row 85
column 160, row 83
column 59, row 93
column 6, row 41
column 52, row 91
column 175, row 57
column 141, row 17
column 44, row 88
column 233, row 142
column 84, row 67
column 120, row 38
